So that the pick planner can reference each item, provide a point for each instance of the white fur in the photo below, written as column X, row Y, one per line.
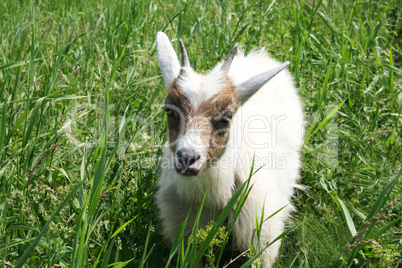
column 168, row 61
column 199, row 88
column 268, row 126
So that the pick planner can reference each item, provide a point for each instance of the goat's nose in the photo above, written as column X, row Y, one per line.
column 187, row 157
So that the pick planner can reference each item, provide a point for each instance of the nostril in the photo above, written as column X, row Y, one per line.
column 181, row 162
column 193, row 159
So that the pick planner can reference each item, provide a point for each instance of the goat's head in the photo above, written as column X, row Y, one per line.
column 200, row 108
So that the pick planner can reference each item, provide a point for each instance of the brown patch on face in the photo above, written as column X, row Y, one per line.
column 219, row 110
column 182, row 112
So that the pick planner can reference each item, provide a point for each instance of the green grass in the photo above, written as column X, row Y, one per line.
column 81, row 125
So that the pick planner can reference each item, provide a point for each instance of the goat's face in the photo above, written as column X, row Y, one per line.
column 200, row 108
column 198, row 125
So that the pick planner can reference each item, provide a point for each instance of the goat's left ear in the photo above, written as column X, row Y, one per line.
column 247, row 88
column 168, row 61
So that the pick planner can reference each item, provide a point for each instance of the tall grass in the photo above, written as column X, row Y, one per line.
column 81, row 126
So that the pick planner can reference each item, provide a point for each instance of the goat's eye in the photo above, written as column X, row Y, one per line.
column 223, row 121
column 226, row 117
column 169, row 111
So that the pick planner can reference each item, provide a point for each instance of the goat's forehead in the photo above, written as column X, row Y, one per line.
column 200, row 88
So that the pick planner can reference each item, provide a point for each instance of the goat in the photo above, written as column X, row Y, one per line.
column 218, row 123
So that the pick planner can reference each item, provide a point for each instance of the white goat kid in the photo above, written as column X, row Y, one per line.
column 217, row 124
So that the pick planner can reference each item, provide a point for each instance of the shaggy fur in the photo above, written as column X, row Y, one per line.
column 267, row 126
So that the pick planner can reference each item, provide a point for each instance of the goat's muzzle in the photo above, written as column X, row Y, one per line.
column 187, row 162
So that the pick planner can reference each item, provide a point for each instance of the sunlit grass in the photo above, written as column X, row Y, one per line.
column 80, row 98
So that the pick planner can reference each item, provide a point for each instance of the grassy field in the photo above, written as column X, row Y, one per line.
column 81, row 125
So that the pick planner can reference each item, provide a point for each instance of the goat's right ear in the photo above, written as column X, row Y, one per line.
column 168, row 61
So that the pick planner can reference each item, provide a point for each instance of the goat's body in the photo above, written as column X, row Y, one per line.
column 267, row 127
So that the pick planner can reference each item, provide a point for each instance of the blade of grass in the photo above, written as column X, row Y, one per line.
column 176, row 243
column 32, row 121
column 323, row 123
column 143, row 259
column 382, row 199
column 12, row 65
column 349, row 219
column 3, row 126
column 386, row 228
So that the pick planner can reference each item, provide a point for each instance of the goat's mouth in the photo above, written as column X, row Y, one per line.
column 187, row 170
